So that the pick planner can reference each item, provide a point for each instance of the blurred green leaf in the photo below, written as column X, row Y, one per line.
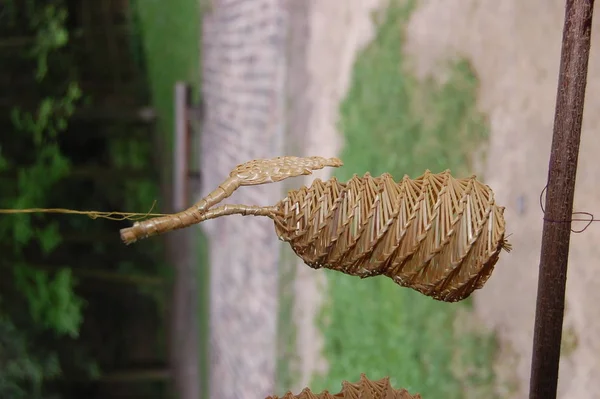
column 49, row 237
column 51, row 299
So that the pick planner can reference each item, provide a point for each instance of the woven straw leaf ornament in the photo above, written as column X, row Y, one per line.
column 364, row 389
column 436, row 234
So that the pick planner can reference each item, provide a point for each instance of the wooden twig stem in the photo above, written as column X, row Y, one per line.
column 559, row 199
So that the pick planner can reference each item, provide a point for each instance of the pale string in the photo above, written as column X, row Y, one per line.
column 133, row 216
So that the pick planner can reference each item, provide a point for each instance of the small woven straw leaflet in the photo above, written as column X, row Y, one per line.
column 364, row 389
column 436, row 234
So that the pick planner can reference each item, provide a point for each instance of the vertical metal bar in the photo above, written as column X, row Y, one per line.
column 180, row 150
column 184, row 321
column 559, row 199
column 188, row 142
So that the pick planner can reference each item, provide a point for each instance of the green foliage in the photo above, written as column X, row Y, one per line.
column 49, row 23
column 49, row 164
column 46, row 167
column 132, row 153
column 53, row 161
column 41, row 127
column 51, row 117
column 23, row 368
column 49, row 237
column 52, row 304
column 394, row 123
column 42, row 301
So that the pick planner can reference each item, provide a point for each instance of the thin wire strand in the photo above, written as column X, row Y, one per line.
column 588, row 220
column 118, row 216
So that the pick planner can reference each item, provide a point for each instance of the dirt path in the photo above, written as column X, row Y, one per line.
column 514, row 47
column 337, row 30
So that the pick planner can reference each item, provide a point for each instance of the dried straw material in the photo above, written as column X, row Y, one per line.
column 364, row 389
column 436, row 234
column 255, row 172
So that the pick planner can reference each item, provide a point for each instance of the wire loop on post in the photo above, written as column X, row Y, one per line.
column 588, row 221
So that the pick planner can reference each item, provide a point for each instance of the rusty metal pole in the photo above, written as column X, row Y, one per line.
column 559, row 199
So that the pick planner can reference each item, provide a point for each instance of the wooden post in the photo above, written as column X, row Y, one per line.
column 559, row 199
